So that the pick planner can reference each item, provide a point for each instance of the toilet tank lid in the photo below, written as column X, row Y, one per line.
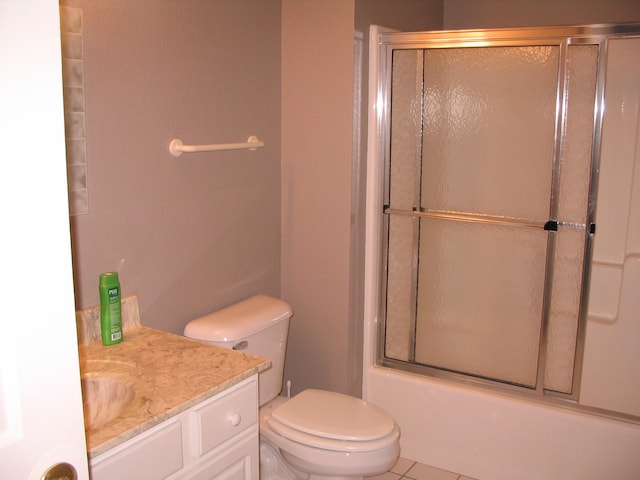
column 239, row 320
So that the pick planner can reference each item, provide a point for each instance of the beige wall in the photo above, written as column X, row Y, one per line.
column 317, row 99
column 510, row 13
column 195, row 233
column 320, row 231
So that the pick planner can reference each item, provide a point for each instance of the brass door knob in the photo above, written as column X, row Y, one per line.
column 60, row 471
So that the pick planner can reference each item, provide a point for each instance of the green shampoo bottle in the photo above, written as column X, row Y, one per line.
column 110, row 308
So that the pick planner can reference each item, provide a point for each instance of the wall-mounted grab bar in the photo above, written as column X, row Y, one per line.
column 177, row 148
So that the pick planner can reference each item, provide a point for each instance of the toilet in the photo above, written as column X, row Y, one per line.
column 315, row 435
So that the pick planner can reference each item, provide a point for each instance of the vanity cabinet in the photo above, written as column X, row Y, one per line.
column 214, row 439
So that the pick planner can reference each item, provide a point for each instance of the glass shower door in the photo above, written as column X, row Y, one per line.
column 488, row 137
column 479, row 138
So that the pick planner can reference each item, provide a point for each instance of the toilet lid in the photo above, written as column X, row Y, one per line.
column 333, row 416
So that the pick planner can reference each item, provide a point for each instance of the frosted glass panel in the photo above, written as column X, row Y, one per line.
column 406, row 126
column 565, row 306
column 480, row 299
column 489, row 125
column 401, row 264
column 577, row 144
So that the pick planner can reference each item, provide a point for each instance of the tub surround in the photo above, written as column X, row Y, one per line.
column 167, row 372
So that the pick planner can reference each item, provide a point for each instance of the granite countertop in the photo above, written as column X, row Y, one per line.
column 167, row 373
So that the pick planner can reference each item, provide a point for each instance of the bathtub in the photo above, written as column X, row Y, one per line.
column 494, row 436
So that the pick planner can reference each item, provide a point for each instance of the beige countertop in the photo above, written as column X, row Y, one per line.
column 168, row 374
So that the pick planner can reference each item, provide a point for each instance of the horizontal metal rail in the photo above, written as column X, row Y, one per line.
column 481, row 218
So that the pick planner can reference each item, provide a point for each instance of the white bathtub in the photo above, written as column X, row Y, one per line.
column 491, row 436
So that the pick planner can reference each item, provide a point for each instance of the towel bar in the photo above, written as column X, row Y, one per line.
column 177, row 148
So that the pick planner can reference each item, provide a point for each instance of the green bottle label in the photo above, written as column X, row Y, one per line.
column 114, row 314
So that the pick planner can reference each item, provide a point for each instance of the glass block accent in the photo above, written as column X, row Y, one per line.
column 74, row 108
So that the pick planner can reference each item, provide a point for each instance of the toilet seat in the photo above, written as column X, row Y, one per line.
column 332, row 421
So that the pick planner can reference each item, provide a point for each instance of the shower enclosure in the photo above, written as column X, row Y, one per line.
column 489, row 143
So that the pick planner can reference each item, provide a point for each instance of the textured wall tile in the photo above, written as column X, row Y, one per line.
column 70, row 19
column 73, row 99
column 76, row 151
column 72, row 46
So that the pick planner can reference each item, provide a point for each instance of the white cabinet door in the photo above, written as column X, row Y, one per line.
column 41, row 420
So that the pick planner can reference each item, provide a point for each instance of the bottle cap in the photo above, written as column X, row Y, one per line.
column 109, row 278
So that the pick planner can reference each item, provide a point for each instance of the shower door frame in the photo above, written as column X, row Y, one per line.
column 379, row 139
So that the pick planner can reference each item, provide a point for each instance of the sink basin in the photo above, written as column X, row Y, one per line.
column 104, row 398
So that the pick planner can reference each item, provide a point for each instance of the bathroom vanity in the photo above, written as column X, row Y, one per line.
column 159, row 405
column 215, row 438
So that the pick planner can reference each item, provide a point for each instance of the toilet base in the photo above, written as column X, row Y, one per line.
column 273, row 467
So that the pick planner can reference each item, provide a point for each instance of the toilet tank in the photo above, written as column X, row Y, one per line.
column 259, row 326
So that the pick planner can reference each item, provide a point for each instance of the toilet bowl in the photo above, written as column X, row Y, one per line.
column 326, row 435
column 315, row 435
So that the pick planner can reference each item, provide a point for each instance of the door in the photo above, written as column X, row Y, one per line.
column 41, row 422
column 488, row 162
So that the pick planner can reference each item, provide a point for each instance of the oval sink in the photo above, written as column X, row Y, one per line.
column 104, row 398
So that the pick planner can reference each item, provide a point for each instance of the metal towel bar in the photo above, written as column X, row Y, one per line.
column 481, row 218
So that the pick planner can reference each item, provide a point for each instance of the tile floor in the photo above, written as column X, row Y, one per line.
column 408, row 469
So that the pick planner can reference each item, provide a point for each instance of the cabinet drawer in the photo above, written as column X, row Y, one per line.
column 152, row 455
column 226, row 416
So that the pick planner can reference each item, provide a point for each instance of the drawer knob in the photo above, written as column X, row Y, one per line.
column 234, row 419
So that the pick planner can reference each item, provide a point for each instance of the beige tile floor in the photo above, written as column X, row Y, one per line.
column 408, row 469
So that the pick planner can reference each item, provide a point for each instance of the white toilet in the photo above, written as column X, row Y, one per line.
column 316, row 434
